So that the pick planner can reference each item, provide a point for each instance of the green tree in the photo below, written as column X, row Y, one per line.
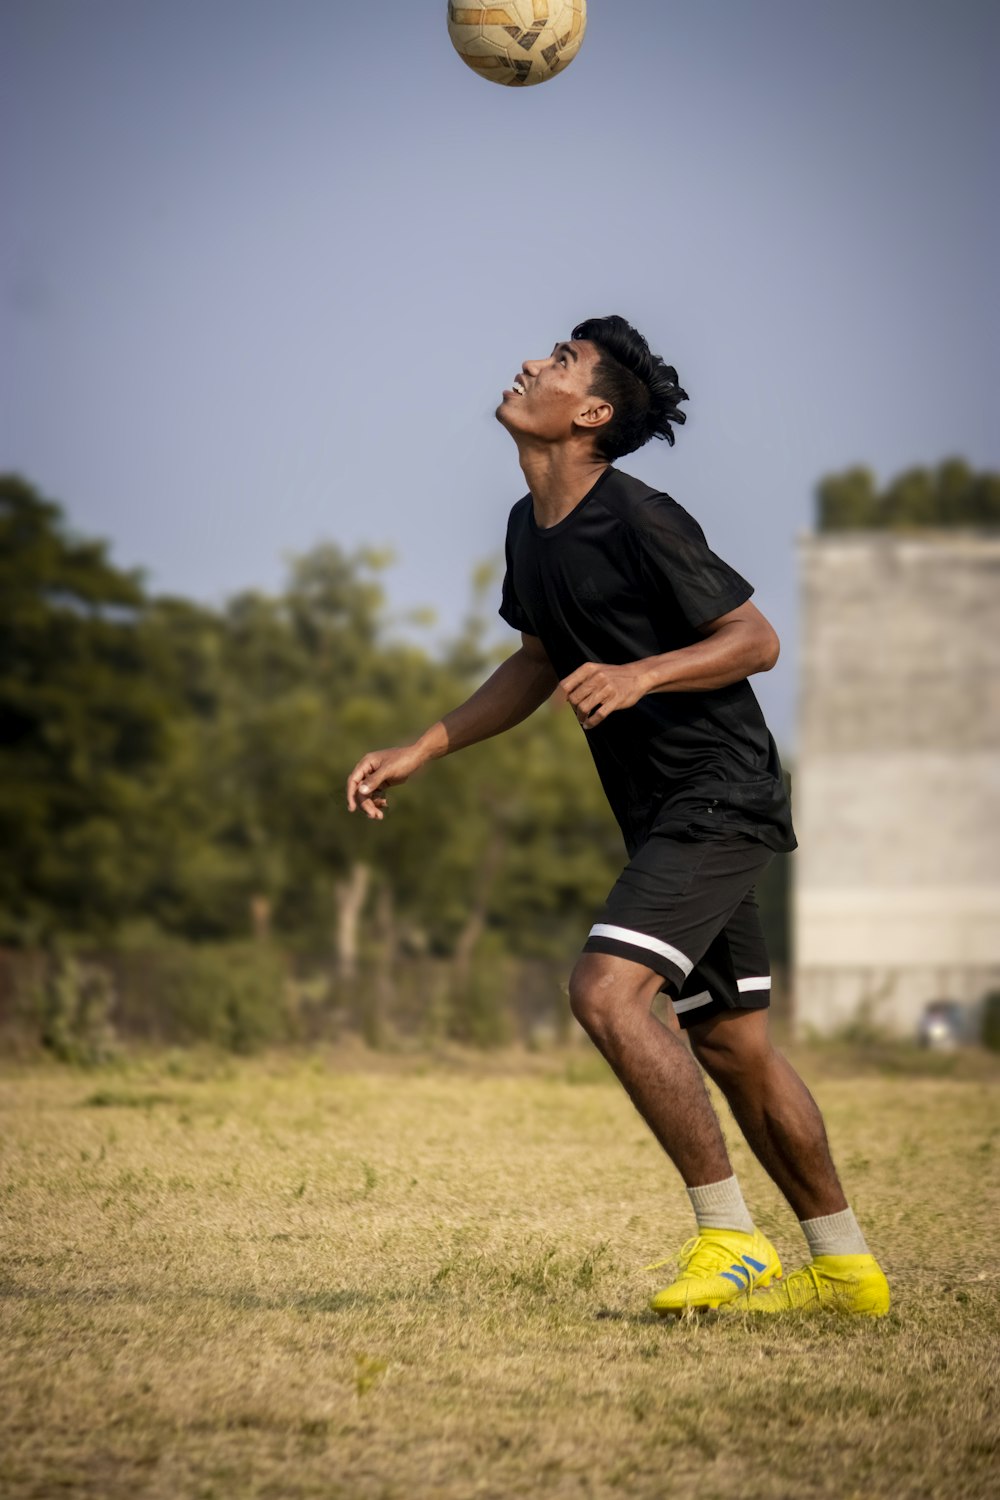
column 84, row 722
column 847, row 501
column 949, row 496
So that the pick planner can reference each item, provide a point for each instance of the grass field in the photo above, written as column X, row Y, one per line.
column 300, row 1277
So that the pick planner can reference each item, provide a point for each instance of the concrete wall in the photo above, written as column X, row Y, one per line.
column 897, row 778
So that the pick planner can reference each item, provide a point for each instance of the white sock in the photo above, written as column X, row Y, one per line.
column 719, row 1205
column 834, row 1234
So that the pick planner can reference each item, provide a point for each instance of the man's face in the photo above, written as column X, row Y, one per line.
column 549, row 399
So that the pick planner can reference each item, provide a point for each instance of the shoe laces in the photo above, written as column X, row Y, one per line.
column 699, row 1256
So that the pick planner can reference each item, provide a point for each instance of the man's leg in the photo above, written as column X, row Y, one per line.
column 773, row 1108
column 612, row 999
column 784, row 1129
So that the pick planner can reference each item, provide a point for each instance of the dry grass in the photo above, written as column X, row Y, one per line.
column 281, row 1279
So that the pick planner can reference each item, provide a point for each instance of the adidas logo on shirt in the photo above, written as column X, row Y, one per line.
column 588, row 590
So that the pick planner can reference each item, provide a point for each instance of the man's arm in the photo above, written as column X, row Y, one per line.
column 517, row 687
column 734, row 646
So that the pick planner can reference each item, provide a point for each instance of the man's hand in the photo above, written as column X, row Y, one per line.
column 596, row 690
column 380, row 769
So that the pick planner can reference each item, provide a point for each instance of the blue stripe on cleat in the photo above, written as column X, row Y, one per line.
column 758, row 1265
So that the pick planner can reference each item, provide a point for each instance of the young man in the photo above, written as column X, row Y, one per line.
column 651, row 638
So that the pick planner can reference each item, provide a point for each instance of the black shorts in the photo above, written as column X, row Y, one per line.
column 686, row 909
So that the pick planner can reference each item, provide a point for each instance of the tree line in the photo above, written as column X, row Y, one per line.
column 172, row 773
column 951, row 495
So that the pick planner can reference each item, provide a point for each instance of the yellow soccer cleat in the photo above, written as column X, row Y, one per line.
column 845, row 1283
column 714, row 1267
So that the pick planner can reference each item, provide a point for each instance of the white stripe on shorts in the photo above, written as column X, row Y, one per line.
column 762, row 982
column 643, row 940
column 690, row 1002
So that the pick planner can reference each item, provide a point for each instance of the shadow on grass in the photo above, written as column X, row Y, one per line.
column 128, row 1099
column 337, row 1299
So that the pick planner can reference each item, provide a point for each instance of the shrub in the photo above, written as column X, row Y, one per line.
column 77, row 1001
column 231, row 994
column 478, row 1013
column 991, row 1021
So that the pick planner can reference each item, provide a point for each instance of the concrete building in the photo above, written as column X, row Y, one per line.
column 897, row 778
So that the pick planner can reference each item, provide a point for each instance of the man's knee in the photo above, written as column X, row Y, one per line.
column 732, row 1048
column 588, row 992
column 602, row 987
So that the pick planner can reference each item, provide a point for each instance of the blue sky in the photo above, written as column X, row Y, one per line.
column 265, row 269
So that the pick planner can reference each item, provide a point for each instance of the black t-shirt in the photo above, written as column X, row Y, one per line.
column 628, row 575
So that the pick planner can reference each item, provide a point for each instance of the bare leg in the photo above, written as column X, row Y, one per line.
column 612, row 998
column 773, row 1108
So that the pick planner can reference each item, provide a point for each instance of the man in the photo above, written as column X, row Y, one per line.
column 651, row 637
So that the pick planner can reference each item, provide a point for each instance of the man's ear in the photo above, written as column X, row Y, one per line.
column 595, row 414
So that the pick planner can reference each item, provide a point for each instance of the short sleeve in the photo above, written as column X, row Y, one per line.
column 673, row 553
column 511, row 609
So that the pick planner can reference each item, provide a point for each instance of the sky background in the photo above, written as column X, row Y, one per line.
column 267, row 265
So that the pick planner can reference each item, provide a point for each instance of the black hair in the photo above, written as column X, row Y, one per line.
column 642, row 389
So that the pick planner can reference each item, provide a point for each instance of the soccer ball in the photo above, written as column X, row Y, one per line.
column 517, row 41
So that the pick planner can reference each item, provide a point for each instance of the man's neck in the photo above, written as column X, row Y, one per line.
column 558, row 479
